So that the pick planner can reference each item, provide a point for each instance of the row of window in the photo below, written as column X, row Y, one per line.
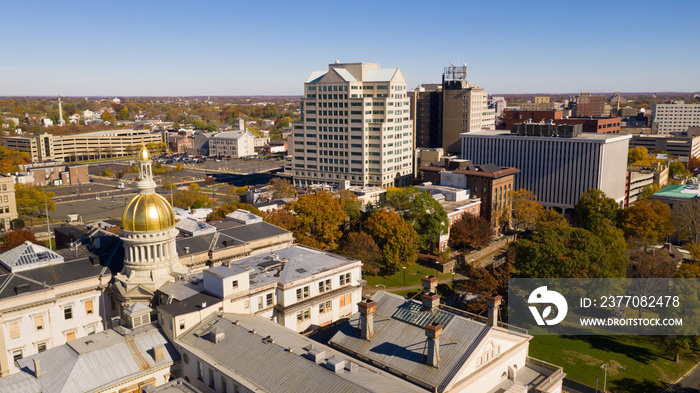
column 323, row 286
column 39, row 325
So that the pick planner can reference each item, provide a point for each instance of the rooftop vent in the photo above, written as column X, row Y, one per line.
column 187, row 250
column 21, row 288
column 335, row 364
column 351, row 367
column 316, row 355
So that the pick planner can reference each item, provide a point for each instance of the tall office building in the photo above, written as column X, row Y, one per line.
column 462, row 108
column 557, row 162
column 675, row 117
column 355, row 126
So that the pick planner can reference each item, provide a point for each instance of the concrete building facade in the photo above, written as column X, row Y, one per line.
column 680, row 146
column 556, row 169
column 233, row 144
column 355, row 126
column 8, row 206
column 112, row 143
column 676, row 117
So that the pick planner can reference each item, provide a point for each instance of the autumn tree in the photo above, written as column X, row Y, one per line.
column 361, row 246
column 676, row 170
column 106, row 116
column 191, row 198
column 283, row 218
column 649, row 221
column 693, row 164
column 593, row 207
column 470, row 232
column 550, row 217
column 281, row 188
column 123, row 113
column 32, row 199
column 686, row 218
column 228, row 195
column 648, row 191
column 422, row 211
column 487, row 281
column 638, row 156
column 525, row 208
column 565, row 252
column 396, row 238
column 17, row 237
column 11, row 159
column 352, row 207
column 318, row 219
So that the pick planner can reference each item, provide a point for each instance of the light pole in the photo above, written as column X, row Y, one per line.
column 404, row 276
column 453, row 280
column 605, row 376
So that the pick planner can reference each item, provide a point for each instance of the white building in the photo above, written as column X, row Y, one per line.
column 355, row 126
column 298, row 287
column 556, row 169
column 676, row 117
column 234, row 144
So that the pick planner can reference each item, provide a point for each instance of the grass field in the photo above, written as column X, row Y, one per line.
column 635, row 363
column 413, row 276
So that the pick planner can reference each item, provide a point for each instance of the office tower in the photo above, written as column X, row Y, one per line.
column 675, row 117
column 355, row 126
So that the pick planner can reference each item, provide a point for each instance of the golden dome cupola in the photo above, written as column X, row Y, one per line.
column 147, row 211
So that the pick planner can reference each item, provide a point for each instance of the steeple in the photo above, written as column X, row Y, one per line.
column 147, row 185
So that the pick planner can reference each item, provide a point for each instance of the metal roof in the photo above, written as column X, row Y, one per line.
column 345, row 74
column 315, row 76
column 380, row 75
column 28, row 256
column 401, row 347
column 94, row 362
column 194, row 227
column 264, row 359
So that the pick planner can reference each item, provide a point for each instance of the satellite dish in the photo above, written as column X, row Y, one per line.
column 642, row 110
column 337, row 62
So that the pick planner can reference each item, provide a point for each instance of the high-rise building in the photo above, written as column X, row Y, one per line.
column 355, row 125
column 444, row 111
column 675, row 117
column 590, row 105
column 557, row 162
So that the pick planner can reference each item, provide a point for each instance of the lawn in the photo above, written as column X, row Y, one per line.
column 413, row 276
column 636, row 363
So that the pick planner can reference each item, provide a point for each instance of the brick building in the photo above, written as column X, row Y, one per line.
column 600, row 125
column 56, row 173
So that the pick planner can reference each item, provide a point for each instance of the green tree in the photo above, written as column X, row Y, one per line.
column 470, row 232
column 550, row 217
column 564, row 252
column 191, row 198
column 106, row 116
column 649, row 221
column 525, row 208
column 686, row 218
column 281, row 188
column 396, row 238
column 228, row 195
column 676, row 170
column 593, row 207
column 32, row 199
column 123, row 113
column 648, row 191
column 422, row 211
column 361, row 246
column 318, row 219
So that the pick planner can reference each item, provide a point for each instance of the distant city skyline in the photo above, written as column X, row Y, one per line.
column 163, row 48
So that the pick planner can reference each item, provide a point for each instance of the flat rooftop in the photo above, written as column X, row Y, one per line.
column 584, row 137
column 678, row 191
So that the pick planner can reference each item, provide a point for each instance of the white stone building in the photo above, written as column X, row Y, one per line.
column 675, row 117
column 233, row 144
column 355, row 126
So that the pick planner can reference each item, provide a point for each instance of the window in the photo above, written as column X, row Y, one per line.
column 268, row 299
column 182, row 324
column 302, row 293
column 345, row 300
column 17, row 354
column 324, row 286
column 89, row 310
column 70, row 336
column 260, row 302
column 235, row 284
column 68, row 312
column 304, row 315
column 14, row 329
column 324, row 307
column 224, row 388
column 90, row 329
column 41, row 347
column 211, row 378
column 345, row 279
column 200, row 372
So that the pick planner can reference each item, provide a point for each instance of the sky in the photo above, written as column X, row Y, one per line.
column 256, row 47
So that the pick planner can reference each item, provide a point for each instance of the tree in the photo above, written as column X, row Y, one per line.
column 613, row 241
column 228, row 195
column 649, row 221
column 352, row 208
column 648, row 191
column 676, row 170
column 283, row 218
column 32, row 199
column 686, row 218
column 550, row 217
column 209, row 180
column 123, row 113
column 107, row 172
column 178, row 167
column 638, row 156
column 678, row 345
column 318, row 219
column 10, row 160
column 361, row 246
column 396, row 238
column 525, row 208
column 422, row 211
column 17, row 237
column 106, row 116
column 693, row 164
column 470, row 232
column 281, row 188
column 593, row 207
column 488, row 281
column 564, row 252
column 191, row 198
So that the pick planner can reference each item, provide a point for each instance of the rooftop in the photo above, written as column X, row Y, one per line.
column 679, row 191
column 584, row 137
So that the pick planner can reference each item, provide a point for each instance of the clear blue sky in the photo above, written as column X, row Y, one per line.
column 150, row 47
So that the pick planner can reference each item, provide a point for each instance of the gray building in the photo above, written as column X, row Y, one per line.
column 557, row 167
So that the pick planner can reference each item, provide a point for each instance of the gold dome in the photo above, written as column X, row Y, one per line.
column 148, row 212
column 144, row 155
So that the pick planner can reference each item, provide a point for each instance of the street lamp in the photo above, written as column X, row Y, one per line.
column 453, row 280
column 404, row 276
column 605, row 376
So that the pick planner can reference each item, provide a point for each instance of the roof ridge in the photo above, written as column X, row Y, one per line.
column 9, row 278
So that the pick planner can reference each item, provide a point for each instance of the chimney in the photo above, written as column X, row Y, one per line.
column 493, row 303
column 367, row 309
column 433, row 333
column 37, row 368
column 187, row 250
column 431, row 302
column 158, row 353
column 429, row 284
